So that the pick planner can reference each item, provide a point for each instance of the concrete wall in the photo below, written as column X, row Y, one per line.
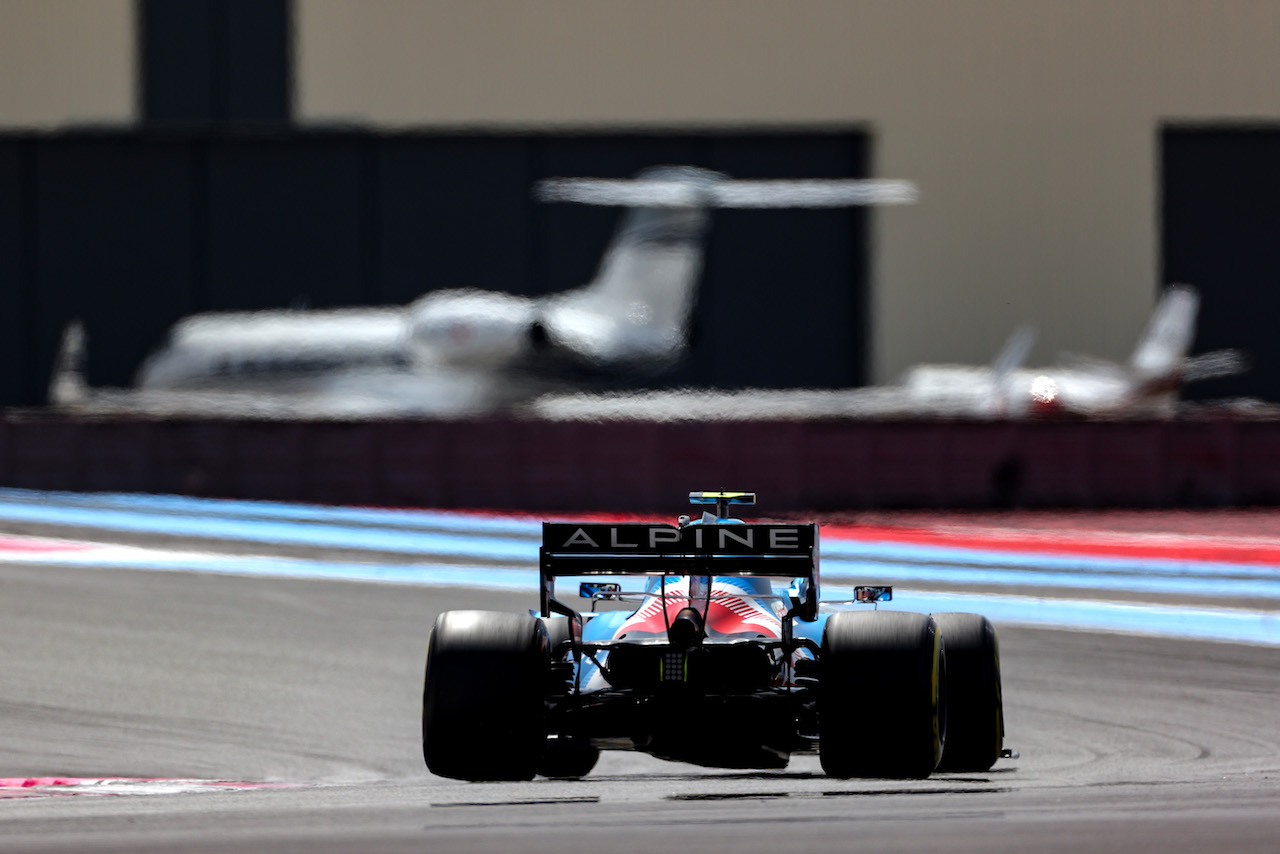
column 66, row 62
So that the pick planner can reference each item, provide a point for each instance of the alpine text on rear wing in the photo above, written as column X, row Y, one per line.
column 772, row 549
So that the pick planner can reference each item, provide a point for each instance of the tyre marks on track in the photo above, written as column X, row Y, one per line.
column 22, row 788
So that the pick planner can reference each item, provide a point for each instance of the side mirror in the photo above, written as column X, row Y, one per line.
column 599, row 589
column 873, row 594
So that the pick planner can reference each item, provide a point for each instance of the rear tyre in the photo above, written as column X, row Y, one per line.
column 975, row 704
column 878, row 695
column 568, row 757
column 482, row 703
column 564, row 757
column 559, row 630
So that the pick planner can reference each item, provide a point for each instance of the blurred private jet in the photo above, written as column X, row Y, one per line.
column 466, row 351
column 1146, row 386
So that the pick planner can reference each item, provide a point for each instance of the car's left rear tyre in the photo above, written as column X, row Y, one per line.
column 568, row 758
column 482, row 698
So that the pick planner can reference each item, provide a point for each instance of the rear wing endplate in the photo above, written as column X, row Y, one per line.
column 772, row 549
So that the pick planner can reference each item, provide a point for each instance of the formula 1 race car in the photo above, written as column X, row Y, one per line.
column 716, row 666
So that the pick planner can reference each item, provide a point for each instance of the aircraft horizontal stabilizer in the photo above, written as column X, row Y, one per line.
column 726, row 193
column 1215, row 364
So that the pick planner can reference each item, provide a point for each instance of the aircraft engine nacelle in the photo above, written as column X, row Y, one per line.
column 473, row 328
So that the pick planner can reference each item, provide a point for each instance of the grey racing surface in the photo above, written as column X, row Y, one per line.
column 1127, row 742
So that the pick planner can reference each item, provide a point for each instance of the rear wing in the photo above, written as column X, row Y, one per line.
column 773, row 549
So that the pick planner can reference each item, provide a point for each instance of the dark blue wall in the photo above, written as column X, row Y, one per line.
column 1221, row 233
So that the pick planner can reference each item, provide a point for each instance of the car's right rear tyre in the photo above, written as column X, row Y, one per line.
column 482, row 698
column 975, row 705
column 879, row 706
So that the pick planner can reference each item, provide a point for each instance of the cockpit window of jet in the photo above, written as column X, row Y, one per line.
column 460, row 352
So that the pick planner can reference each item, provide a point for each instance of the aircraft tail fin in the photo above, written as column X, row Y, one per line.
column 1164, row 344
column 1011, row 357
column 1160, row 363
column 1014, row 352
column 638, row 307
column 67, row 385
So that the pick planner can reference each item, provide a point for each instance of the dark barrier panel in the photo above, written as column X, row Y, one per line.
column 636, row 466
column 214, row 61
column 16, row 289
column 286, row 222
column 451, row 213
column 114, row 238
column 1220, row 214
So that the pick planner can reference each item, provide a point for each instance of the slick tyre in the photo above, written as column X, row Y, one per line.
column 564, row 756
column 482, row 703
column 559, row 630
column 879, row 704
column 568, row 758
column 975, row 705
